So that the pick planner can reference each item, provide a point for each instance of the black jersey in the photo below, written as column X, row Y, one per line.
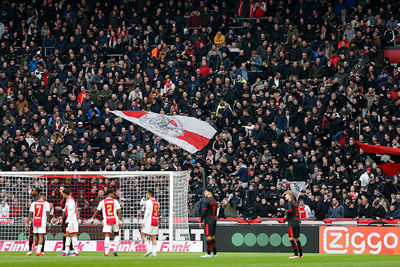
column 209, row 210
column 292, row 213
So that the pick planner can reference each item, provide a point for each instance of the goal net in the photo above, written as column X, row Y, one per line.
column 88, row 189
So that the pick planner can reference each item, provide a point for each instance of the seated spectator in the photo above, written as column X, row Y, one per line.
column 229, row 208
column 219, row 39
column 392, row 213
column 304, row 210
column 335, row 210
column 280, row 208
column 264, row 209
column 378, row 212
column 365, row 211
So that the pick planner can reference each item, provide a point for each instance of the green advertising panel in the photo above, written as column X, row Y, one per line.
column 263, row 238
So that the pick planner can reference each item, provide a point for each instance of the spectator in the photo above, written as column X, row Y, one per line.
column 193, row 210
column 4, row 210
column 243, row 173
column 349, row 209
column 392, row 213
column 264, row 209
column 365, row 211
column 280, row 208
column 366, row 177
column 229, row 209
column 304, row 210
column 378, row 212
column 219, row 39
column 321, row 208
column 335, row 210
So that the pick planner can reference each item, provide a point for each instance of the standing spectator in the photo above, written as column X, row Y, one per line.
column 243, row 174
column 4, row 210
column 260, row 8
column 366, row 177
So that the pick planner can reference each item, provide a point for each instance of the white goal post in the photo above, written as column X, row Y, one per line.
column 88, row 188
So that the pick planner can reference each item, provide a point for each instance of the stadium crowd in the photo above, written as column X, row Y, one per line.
column 289, row 85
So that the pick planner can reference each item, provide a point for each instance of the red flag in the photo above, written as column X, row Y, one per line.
column 387, row 158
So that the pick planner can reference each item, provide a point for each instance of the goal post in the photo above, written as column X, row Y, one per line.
column 88, row 189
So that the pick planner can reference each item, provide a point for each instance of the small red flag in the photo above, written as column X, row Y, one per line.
column 387, row 158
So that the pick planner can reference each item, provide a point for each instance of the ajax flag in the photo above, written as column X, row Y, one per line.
column 296, row 187
column 189, row 133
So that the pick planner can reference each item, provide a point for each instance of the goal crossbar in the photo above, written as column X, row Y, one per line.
column 176, row 182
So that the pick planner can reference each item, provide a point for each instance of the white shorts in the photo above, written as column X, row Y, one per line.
column 110, row 228
column 73, row 228
column 39, row 230
column 150, row 230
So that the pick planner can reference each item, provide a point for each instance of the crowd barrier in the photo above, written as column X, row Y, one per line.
column 236, row 236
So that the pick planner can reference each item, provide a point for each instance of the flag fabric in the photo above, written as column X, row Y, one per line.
column 188, row 133
column 296, row 187
column 387, row 158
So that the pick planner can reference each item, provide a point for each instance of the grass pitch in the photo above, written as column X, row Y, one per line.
column 88, row 259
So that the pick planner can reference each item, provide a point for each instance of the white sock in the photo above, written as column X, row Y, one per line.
column 107, row 245
column 75, row 244
column 67, row 244
column 148, row 246
column 154, row 249
column 39, row 249
column 116, row 243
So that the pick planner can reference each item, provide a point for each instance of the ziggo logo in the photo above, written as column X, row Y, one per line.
column 359, row 240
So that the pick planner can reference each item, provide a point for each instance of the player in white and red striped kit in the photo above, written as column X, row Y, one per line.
column 40, row 211
column 112, row 220
column 150, row 224
column 71, row 215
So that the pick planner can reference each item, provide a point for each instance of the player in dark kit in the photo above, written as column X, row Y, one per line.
column 293, row 219
column 209, row 217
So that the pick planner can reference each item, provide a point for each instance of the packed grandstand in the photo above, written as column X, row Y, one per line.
column 288, row 85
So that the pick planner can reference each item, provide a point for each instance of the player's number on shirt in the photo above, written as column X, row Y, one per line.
column 155, row 210
column 109, row 210
column 214, row 209
column 38, row 210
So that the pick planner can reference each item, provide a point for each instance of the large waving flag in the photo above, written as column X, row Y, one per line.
column 189, row 133
column 387, row 158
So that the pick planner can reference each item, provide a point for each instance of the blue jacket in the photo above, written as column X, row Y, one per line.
column 258, row 63
column 33, row 65
column 243, row 174
column 336, row 213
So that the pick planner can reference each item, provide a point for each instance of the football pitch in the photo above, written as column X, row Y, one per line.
column 87, row 259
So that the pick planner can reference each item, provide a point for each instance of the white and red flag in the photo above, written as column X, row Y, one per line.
column 189, row 133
